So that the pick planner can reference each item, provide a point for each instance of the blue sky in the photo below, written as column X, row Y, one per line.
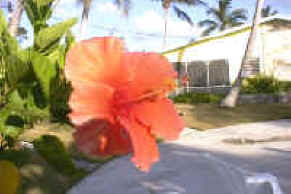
column 143, row 28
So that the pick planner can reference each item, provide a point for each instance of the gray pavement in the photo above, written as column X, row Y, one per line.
column 243, row 159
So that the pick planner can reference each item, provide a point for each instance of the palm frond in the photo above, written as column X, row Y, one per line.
column 190, row 2
column 183, row 15
column 274, row 12
column 239, row 14
column 124, row 5
column 223, row 17
column 224, row 6
column 210, row 25
column 206, row 23
column 234, row 24
column 267, row 11
column 209, row 30
column 86, row 8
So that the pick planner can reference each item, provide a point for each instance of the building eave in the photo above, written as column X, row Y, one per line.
column 227, row 33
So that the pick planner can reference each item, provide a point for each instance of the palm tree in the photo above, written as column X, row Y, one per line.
column 248, row 68
column 223, row 17
column 166, row 4
column 124, row 4
column 267, row 11
column 85, row 16
column 13, row 26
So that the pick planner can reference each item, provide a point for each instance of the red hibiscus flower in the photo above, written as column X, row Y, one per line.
column 119, row 103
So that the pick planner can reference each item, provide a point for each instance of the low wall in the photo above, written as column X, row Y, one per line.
column 210, row 90
column 282, row 97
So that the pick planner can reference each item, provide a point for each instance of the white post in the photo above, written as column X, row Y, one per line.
column 262, row 49
column 186, row 71
column 208, row 74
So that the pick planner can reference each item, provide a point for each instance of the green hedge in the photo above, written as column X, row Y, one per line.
column 194, row 98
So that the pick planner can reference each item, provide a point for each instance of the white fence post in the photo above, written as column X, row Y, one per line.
column 208, row 74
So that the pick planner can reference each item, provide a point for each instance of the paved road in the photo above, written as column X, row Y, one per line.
column 244, row 159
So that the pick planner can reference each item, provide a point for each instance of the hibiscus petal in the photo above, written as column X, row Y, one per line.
column 91, row 102
column 97, row 60
column 151, row 72
column 100, row 138
column 145, row 149
column 161, row 117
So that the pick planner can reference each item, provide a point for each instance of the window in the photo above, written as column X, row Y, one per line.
column 219, row 73
column 205, row 73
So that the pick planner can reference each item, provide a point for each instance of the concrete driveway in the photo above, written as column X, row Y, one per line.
column 244, row 159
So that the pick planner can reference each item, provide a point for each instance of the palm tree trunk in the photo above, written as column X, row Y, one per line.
column 250, row 65
column 16, row 18
column 249, row 62
column 84, row 25
column 166, row 17
column 85, row 17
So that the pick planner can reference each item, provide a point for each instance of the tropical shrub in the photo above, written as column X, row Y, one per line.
column 264, row 84
column 54, row 152
column 31, row 79
column 285, row 86
column 260, row 84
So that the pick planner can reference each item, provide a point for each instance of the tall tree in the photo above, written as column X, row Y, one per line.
column 85, row 16
column 14, row 23
column 166, row 4
column 224, row 17
column 267, row 11
column 249, row 61
column 123, row 4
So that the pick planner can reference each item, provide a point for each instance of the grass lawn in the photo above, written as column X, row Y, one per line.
column 62, row 131
column 208, row 116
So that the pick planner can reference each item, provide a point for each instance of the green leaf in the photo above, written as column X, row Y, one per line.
column 17, row 70
column 8, row 126
column 38, row 13
column 49, row 38
column 42, row 2
column 3, row 23
column 70, row 40
column 45, row 71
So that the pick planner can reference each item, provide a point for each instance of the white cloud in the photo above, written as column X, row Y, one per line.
column 63, row 2
column 60, row 11
column 153, row 22
column 107, row 7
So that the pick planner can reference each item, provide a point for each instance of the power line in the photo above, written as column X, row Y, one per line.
column 136, row 33
column 113, row 30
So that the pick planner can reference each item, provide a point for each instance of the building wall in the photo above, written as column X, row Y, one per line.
column 273, row 47
column 277, row 51
column 230, row 48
